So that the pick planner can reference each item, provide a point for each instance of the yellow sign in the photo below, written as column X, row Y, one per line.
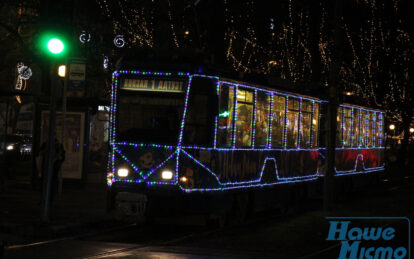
column 154, row 85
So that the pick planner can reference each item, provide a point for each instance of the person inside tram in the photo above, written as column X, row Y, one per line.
column 243, row 126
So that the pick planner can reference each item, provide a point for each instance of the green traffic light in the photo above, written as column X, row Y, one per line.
column 55, row 46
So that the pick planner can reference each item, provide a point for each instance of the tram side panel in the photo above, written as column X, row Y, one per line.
column 221, row 170
column 359, row 160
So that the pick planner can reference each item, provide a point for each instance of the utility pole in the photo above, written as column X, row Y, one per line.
column 332, row 108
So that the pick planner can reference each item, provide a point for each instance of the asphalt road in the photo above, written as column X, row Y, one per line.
column 297, row 235
column 131, row 242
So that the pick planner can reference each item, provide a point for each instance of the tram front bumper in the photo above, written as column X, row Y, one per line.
column 163, row 201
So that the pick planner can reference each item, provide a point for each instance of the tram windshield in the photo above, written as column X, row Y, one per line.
column 149, row 117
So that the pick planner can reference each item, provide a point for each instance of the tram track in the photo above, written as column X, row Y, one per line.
column 74, row 237
column 256, row 220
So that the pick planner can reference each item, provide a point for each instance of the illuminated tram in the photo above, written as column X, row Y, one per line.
column 191, row 142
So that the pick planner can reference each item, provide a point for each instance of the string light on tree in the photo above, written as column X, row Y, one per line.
column 119, row 41
column 85, row 37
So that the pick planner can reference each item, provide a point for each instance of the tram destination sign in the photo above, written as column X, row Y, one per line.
column 152, row 85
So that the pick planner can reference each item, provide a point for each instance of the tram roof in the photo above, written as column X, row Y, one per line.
column 273, row 89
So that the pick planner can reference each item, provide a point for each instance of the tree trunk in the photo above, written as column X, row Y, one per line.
column 402, row 157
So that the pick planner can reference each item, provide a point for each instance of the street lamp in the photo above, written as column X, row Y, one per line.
column 411, row 130
column 392, row 127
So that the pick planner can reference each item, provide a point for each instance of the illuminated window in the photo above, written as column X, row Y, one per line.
column 278, row 121
column 225, row 125
column 292, row 123
column 339, row 127
column 356, row 128
column 315, row 125
column 371, row 129
column 365, row 128
column 305, row 128
column 347, row 130
column 243, row 118
column 379, row 131
column 262, row 119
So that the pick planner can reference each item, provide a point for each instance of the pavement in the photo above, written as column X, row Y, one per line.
column 76, row 210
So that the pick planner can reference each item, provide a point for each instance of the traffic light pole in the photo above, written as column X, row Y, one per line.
column 51, row 147
column 64, row 100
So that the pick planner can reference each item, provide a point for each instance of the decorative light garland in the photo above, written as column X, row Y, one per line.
column 254, row 119
column 365, row 170
column 270, row 118
column 351, row 130
column 180, row 148
column 285, row 123
column 342, row 114
column 233, row 141
column 300, row 123
column 311, row 125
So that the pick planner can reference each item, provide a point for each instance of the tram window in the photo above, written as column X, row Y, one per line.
column 379, row 130
column 244, row 118
column 355, row 142
column 292, row 123
column 364, row 128
column 149, row 118
column 262, row 119
column 338, row 127
column 305, row 124
column 347, row 127
column 278, row 121
column 315, row 125
column 225, row 124
column 371, row 130
column 201, row 110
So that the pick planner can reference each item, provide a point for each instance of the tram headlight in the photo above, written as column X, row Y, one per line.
column 167, row 174
column 123, row 172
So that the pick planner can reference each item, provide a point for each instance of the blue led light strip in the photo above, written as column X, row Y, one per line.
column 342, row 109
column 374, row 140
column 360, row 128
column 311, row 125
column 142, row 173
column 251, row 181
column 270, row 118
column 215, row 132
column 235, row 89
column 145, row 145
column 229, row 185
column 180, row 139
column 300, row 123
column 272, row 91
column 365, row 170
column 254, row 119
column 351, row 131
column 285, row 123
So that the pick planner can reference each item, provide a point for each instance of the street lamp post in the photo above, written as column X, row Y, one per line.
column 392, row 127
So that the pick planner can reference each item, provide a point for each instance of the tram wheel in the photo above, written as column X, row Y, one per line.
column 240, row 208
